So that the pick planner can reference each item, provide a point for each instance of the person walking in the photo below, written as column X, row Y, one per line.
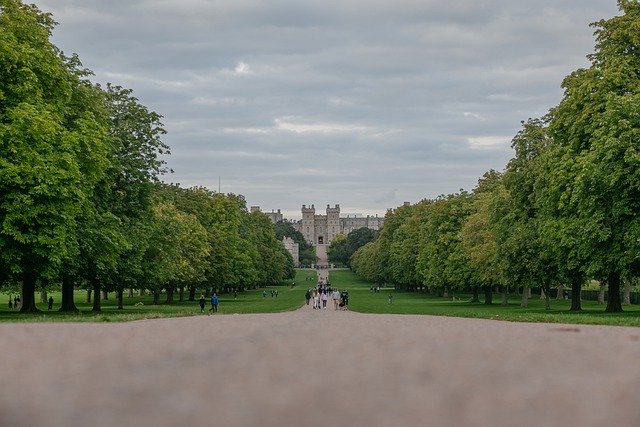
column 324, row 298
column 390, row 299
column 214, row 303
column 336, row 298
column 202, row 303
column 307, row 296
column 50, row 306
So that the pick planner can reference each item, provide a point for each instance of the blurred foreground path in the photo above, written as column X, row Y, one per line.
column 318, row 368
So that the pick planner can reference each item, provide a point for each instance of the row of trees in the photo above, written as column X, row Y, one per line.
column 80, row 198
column 565, row 209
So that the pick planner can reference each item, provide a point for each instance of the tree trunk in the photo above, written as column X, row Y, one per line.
column 170, row 290
column 475, row 297
column 130, row 292
column 207, row 292
column 543, row 294
column 505, row 295
column 626, row 299
column 28, row 298
column 576, row 289
column 67, row 304
column 181, row 293
column 488, row 295
column 156, row 297
column 192, row 293
column 119, row 295
column 97, row 307
column 547, row 297
column 614, row 303
column 601, row 293
column 43, row 296
column 88, row 297
column 560, row 292
column 524, row 303
column 105, row 295
column 445, row 293
column 141, row 293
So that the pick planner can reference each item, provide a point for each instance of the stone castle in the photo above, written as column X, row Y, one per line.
column 322, row 229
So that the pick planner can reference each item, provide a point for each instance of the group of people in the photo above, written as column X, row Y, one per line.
column 321, row 294
column 214, row 303
column 15, row 302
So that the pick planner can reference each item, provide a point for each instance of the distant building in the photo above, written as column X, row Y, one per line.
column 322, row 229
column 293, row 248
column 273, row 216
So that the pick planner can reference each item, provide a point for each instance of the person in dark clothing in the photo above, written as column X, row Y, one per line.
column 202, row 303
column 307, row 296
column 50, row 303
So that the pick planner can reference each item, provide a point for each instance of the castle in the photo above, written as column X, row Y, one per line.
column 322, row 229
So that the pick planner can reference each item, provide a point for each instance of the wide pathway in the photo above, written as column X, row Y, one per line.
column 319, row 368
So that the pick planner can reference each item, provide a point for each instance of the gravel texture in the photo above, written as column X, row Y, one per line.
column 319, row 368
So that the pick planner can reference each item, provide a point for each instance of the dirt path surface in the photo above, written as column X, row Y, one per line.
column 318, row 368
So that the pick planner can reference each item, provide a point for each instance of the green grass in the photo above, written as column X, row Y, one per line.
column 361, row 300
column 364, row 301
column 137, row 308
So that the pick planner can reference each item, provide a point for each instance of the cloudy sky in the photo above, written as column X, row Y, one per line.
column 365, row 103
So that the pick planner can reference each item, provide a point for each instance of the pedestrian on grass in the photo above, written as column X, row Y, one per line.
column 50, row 303
column 214, row 303
column 202, row 303
column 264, row 294
column 10, row 302
column 390, row 299
column 235, row 294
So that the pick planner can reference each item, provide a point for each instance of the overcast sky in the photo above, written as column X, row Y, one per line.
column 365, row 103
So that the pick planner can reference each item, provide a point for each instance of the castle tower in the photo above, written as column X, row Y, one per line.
column 308, row 226
column 333, row 222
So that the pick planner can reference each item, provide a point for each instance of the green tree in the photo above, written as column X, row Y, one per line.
column 43, row 138
column 477, row 237
column 341, row 250
column 596, row 129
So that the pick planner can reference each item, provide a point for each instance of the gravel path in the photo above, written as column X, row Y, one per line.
column 319, row 368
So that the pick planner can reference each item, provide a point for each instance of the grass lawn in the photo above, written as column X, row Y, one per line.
column 137, row 307
column 364, row 301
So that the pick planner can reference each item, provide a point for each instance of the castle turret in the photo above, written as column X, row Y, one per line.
column 333, row 222
column 307, row 226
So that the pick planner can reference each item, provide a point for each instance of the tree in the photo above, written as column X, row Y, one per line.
column 44, row 136
column 477, row 237
column 341, row 250
column 596, row 128
column 306, row 252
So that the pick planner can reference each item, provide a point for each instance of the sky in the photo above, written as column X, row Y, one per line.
column 362, row 103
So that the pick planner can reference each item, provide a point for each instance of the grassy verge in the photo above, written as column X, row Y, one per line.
column 137, row 308
column 364, row 301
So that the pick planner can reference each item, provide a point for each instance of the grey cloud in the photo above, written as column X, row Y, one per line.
column 362, row 103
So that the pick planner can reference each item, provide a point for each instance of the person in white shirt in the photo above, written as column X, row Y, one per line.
column 335, row 296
